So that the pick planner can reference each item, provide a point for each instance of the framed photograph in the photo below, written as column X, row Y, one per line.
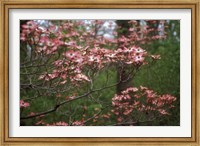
column 105, row 72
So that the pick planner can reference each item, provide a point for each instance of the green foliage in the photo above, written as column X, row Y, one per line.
column 163, row 75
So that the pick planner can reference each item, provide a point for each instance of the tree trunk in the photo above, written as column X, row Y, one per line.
column 122, row 74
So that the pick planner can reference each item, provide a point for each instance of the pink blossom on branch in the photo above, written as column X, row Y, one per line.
column 132, row 99
column 96, row 57
column 24, row 104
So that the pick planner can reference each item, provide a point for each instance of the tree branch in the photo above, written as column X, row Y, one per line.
column 76, row 98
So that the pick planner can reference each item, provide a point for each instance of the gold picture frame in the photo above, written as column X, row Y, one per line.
column 117, row 4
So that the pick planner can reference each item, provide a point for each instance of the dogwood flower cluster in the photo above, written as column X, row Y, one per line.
column 141, row 99
column 76, row 59
column 80, row 50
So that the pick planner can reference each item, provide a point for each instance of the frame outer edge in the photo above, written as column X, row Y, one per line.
column 1, row 73
column 198, row 73
column 194, row 73
column 104, row 2
column 6, row 71
column 3, row 76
